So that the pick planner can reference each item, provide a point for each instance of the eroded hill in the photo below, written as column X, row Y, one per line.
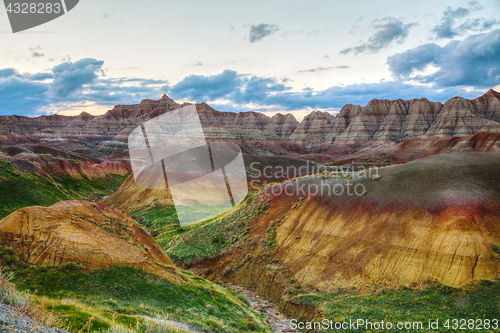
column 434, row 218
column 89, row 234
column 98, row 269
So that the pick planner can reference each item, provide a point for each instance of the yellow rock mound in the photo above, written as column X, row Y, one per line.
column 83, row 232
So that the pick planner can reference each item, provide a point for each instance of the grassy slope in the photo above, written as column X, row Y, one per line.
column 127, row 294
column 80, row 296
column 441, row 302
column 88, row 189
column 199, row 240
column 20, row 189
column 480, row 301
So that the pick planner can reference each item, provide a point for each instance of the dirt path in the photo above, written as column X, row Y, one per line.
column 279, row 321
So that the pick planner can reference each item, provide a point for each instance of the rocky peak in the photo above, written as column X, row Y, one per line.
column 165, row 98
column 314, row 127
column 281, row 124
column 492, row 94
column 84, row 116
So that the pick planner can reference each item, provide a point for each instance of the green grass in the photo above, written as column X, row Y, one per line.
column 75, row 319
column 20, row 189
column 156, row 217
column 271, row 238
column 200, row 240
column 89, row 189
column 212, row 237
column 271, row 151
column 159, row 220
column 480, row 301
column 79, row 295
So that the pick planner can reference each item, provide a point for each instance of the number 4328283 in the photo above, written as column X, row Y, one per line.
column 471, row 324
column 34, row 8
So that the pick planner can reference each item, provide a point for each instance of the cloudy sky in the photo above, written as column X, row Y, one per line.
column 250, row 55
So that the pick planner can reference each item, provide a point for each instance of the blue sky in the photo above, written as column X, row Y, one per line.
column 259, row 55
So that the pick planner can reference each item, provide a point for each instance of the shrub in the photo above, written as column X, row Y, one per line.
column 446, row 289
column 9, row 260
column 7, row 251
column 72, row 266
column 10, row 295
column 496, row 247
column 218, row 239
column 247, row 325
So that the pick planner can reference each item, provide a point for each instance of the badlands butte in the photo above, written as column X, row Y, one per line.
column 393, row 201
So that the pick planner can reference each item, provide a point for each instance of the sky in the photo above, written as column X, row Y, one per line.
column 271, row 56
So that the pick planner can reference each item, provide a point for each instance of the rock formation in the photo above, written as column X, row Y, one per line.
column 91, row 234
column 435, row 218
column 400, row 120
column 314, row 128
column 46, row 165
column 378, row 122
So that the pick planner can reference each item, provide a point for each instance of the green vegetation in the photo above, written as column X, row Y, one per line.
column 22, row 301
column 159, row 220
column 198, row 212
column 9, row 294
column 496, row 248
column 271, row 238
column 201, row 240
column 124, row 296
column 479, row 301
column 381, row 160
column 20, row 189
column 89, row 189
column 8, row 256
